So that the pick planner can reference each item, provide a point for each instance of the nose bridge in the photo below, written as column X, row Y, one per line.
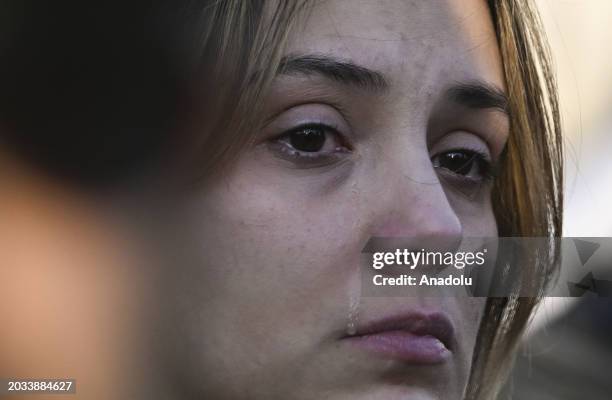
column 417, row 206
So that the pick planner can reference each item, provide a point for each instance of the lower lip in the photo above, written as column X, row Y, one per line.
column 404, row 346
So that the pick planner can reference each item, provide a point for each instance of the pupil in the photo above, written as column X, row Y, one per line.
column 308, row 139
column 459, row 163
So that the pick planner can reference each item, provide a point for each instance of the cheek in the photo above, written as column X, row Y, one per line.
column 278, row 214
column 472, row 311
column 275, row 229
column 477, row 218
column 261, row 244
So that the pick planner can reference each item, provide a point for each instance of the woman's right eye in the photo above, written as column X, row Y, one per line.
column 313, row 141
column 310, row 139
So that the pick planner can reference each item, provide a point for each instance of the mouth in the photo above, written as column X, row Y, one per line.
column 414, row 338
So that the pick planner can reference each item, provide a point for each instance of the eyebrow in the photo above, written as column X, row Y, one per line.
column 478, row 95
column 474, row 94
column 342, row 71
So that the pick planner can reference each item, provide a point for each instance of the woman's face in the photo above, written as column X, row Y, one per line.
column 385, row 122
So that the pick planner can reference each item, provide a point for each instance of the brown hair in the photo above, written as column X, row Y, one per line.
column 527, row 197
column 240, row 48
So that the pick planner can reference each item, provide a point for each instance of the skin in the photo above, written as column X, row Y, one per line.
column 274, row 281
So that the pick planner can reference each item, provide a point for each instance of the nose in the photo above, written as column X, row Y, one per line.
column 415, row 207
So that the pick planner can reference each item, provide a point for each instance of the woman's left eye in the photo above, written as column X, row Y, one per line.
column 310, row 141
column 469, row 164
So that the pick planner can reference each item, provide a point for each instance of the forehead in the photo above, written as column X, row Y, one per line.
column 420, row 46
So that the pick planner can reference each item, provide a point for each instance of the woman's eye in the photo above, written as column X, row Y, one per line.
column 465, row 163
column 310, row 142
column 308, row 139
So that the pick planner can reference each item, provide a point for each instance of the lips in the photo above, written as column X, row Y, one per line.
column 416, row 338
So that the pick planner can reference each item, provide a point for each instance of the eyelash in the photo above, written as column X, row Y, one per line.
column 489, row 169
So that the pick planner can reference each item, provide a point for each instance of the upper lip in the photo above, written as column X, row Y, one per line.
column 436, row 324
